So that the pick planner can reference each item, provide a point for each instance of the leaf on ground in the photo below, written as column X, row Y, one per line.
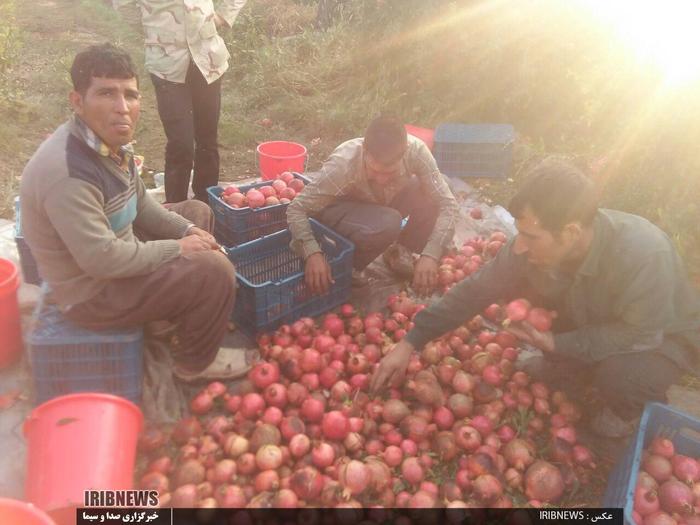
column 9, row 398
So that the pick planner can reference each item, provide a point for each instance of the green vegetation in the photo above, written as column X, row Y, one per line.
column 9, row 44
column 544, row 66
column 8, row 36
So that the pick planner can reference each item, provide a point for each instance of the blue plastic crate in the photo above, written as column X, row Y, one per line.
column 271, row 280
column 236, row 226
column 657, row 421
column 474, row 150
column 30, row 271
column 67, row 358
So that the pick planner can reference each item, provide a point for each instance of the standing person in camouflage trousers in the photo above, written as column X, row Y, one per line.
column 186, row 58
column 365, row 189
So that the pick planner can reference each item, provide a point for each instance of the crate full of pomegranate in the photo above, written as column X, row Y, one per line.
column 657, row 482
column 244, row 213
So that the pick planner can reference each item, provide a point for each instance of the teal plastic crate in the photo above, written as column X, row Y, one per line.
column 658, row 420
column 234, row 226
column 271, row 283
column 30, row 270
column 474, row 150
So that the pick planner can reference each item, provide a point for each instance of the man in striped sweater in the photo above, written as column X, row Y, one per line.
column 112, row 256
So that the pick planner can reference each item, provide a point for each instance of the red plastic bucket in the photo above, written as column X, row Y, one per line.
column 15, row 512
column 425, row 134
column 79, row 442
column 279, row 155
column 10, row 323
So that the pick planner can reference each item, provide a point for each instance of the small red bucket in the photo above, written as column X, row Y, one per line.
column 15, row 512
column 278, row 156
column 10, row 321
column 76, row 443
column 425, row 134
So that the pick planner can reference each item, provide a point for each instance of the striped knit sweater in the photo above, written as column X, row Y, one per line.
column 79, row 209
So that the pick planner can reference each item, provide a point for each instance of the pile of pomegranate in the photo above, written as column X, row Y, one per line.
column 465, row 429
column 281, row 191
column 474, row 253
column 520, row 310
column 668, row 487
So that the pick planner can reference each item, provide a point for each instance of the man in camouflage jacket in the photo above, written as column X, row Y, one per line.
column 186, row 58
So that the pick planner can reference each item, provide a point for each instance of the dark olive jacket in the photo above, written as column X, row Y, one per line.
column 630, row 294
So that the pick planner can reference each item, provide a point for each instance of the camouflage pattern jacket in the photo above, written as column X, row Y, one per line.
column 178, row 31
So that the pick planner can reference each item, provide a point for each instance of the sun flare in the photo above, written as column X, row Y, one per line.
column 663, row 34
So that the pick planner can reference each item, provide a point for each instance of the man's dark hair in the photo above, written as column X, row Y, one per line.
column 558, row 193
column 384, row 135
column 101, row 61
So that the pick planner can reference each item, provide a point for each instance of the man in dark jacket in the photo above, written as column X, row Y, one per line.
column 629, row 319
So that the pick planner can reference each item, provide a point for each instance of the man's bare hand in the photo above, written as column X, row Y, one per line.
column 526, row 332
column 203, row 234
column 392, row 368
column 317, row 274
column 194, row 243
column 425, row 275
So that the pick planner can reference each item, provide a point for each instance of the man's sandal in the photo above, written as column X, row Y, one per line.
column 230, row 363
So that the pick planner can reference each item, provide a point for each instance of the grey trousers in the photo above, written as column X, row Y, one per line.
column 372, row 228
column 195, row 292
column 625, row 381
